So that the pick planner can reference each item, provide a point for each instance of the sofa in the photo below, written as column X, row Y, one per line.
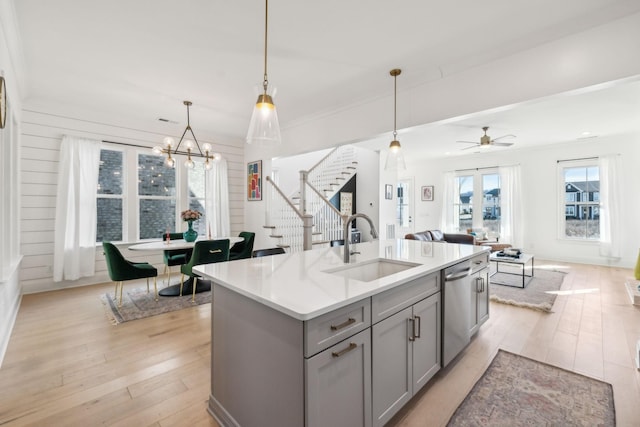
column 439, row 236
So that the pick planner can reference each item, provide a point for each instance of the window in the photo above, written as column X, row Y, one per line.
column 477, row 212
column 110, row 197
column 156, row 196
column 139, row 198
column 491, row 203
column 581, row 185
column 464, row 202
column 196, row 195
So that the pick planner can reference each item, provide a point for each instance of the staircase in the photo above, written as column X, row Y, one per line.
column 286, row 215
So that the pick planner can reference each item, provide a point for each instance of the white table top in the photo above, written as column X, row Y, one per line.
column 161, row 245
column 522, row 259
column 300, row 286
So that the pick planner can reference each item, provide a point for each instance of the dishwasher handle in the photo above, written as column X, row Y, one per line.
column 457, row 275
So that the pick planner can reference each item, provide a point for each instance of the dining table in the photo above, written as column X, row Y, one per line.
column 163, row 245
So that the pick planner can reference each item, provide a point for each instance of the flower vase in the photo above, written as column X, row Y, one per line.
column 190, row 235
column 636, row 271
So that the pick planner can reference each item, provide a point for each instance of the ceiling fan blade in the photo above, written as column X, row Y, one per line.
column 469, row 142
column 502, row 144
column 468, row 148
column 504, row 136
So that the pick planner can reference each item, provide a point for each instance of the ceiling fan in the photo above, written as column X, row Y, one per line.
column 487, row 141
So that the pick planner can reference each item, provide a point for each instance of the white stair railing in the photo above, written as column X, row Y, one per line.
column 330, row 173
column 287, row 222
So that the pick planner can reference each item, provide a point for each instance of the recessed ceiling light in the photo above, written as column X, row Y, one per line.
column 586, row 133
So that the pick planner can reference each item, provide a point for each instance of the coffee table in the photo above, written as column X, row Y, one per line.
column 520, row 261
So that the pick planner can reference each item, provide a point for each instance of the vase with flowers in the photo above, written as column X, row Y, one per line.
column 189, row 216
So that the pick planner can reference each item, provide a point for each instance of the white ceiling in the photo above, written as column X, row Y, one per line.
column 143, row 58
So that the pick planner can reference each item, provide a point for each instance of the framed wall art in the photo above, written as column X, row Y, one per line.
column 427, row 193
column 254, row 180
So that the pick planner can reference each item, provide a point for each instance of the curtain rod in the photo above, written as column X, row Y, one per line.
column 575, row 160
column 128, row 144
column 486, row 167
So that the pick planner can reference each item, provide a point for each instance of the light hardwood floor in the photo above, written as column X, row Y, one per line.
column 66, row 365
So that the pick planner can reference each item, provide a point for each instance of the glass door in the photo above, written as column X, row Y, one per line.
column 405, row 207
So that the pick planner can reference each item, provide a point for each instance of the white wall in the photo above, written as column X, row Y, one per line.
column 11, row 69
column 43, row 128
column 540, row 188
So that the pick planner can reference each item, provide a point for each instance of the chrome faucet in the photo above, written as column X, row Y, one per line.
column 345, row 233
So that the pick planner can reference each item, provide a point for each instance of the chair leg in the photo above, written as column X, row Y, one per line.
column 147, row 285
column 193, row 296
column 155, row 287
column 181, row 283
column 121, row 286
column 168, row 276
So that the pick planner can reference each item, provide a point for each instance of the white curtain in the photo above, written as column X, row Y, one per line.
column 217, row 200
column 511, row 227
column 610, row 220
column 75, row 225
column 449, row 192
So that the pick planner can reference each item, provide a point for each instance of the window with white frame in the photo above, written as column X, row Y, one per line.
column 580, row 214
column 110, row 201
column 196, row 191
column 156, row 197
column 477, row 212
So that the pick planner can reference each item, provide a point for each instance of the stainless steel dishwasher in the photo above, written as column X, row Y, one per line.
column 457, row 309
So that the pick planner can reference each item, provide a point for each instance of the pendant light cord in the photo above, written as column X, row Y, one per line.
column 266, row 26
column 395, row 92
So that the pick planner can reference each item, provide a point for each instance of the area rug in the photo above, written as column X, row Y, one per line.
column 536, row 295
column 518, row 391
column 138, row 304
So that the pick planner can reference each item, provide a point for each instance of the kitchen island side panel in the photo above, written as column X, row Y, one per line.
column 257, row 363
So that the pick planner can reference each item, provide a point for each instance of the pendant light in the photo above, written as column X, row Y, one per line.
column 264, row 128
column 189, row 145
column 395, row 159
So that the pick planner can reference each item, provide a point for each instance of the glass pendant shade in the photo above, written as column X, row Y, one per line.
column 395, row 158
column 264, row 128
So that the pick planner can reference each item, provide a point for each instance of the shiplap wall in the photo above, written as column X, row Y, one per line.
column 41, row 136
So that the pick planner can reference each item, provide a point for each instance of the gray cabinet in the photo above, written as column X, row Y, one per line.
column 479, row 293
column 338, row 384
column 406, row 354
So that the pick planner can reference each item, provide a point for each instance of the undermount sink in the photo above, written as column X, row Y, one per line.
column 372, row 270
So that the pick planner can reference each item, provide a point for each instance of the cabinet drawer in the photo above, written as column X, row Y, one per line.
column 331, row 328
column 387, row 303
column 479, row 262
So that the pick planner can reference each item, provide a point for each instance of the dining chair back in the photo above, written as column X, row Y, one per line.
column 242, row 249
column 204, row 252
column 120, row 269
column 266, row 252
column 174, row 256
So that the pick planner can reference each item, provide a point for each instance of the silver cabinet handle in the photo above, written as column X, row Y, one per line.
column 411, row 324
column 343, row 325
column 419, row 327
column 345, row 350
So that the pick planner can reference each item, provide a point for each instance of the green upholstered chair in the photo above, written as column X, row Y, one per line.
column 266, row 252
column 174, row 256
column 121, row 269
column 204, row 252
column 242, row 249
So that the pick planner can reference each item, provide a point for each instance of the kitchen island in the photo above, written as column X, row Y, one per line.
column 304, row 339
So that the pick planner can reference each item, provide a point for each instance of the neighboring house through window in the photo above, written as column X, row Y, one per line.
column 580, row 214
column 477, row 212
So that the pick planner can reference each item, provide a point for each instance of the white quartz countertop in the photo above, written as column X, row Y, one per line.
column 300, row 286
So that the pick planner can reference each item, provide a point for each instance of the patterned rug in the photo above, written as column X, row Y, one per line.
column 536, row 295
column 518, row 391
column 138, row 304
